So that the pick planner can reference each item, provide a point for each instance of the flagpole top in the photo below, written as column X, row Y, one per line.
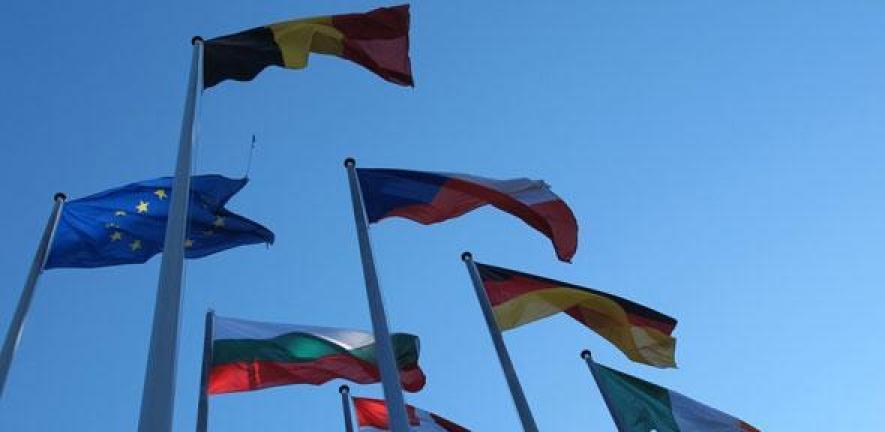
column 196, row 39
column 466, row 256
column 60, row 196
column 349, row 162
column 344, row 389
column 586, row 354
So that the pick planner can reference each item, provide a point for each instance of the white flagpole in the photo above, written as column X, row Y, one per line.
column 390, row 380
column 13, row 334
column 522, row 405
column 345, row 406
column 203, row 401
column 158, row 395
column 589, row 359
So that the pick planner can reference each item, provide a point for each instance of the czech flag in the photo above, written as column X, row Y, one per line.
column 428, row 198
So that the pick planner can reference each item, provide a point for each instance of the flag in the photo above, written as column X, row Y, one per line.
column 251, row 355
column 641, row 333
column 127, row 225
column 640, row 406
column 428, row 198
column 371, row 415
column 378, row 40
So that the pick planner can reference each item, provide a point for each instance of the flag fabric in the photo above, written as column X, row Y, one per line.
column 251, row 355
column 371, row 415
column 378, row 40
column 127, row 225
column 641, row 333
column 640, row 406
column 428, row 198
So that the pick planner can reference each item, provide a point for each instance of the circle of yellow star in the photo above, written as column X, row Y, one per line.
column 136, row 245
column 116, row 235
column 160, row 193
column 188, row 243
column 142, row 207
column 219, row 221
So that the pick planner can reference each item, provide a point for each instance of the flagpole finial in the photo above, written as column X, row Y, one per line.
column 466, row 256
column 349, row 162
column 585, row 354
column 344, row 389
column 195, row 39
column 60, row 196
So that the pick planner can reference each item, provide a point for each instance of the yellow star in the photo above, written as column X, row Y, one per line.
column 219, row 221
column 117, row 235
column 188, row 243
column 119, row 213
column 136, row 245
column 111, row 225
column 142, row 207
column 160, row 193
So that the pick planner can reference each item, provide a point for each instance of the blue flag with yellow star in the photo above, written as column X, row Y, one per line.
column 127, row 225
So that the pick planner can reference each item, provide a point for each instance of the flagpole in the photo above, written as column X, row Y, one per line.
column 390, row 380
column 13, row 333
column 158, row 394
column 345, row 406
column 589, row 359
column 522, row 405
column 203, row 400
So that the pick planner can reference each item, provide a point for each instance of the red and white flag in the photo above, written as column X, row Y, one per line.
column 371, row 414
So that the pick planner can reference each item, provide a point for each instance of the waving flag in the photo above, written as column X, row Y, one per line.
column 252, row 355
column 429, row 198
column 127, row 225
column 378, row 40
column 371, row 415
column 641, row 333
column 640, row 406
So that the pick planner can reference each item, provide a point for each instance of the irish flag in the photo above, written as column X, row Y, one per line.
column 371, row 415
column 251, row 355
column 640, row 406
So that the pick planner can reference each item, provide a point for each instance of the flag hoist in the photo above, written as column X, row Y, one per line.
column 522, row 405
column 158, row 394
column 345, row 407
column 13, row 334
column 393, row 393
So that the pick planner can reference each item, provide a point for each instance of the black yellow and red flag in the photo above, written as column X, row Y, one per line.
column 641, row 333
column 378, row 40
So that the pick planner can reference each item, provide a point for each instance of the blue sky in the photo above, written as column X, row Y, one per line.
column 724, row 159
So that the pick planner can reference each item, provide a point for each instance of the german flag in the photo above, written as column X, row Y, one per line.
column 378, row 40
column 641, row 333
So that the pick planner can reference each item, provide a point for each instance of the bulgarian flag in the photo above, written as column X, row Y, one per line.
column 371, row 415
column 251, row 355
column 640, row 406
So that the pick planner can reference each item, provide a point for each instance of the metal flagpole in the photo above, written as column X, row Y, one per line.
column 158, row 395
column 589, row 359
column 522, row 406
column 203, row 404
column 345, row 406
column 13, row 334
column 393, row 393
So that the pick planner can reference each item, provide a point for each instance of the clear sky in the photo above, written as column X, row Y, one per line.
column 724, row 160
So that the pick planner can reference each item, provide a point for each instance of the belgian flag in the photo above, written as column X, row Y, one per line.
column 378, row 40
column 641, row 333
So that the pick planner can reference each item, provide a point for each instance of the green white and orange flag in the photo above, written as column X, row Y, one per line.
column 641, row 333
column 251, row 355
column 640, row 406
column 378, row 40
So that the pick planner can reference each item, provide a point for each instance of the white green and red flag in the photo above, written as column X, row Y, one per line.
column 252, row 355
column 371, row 415
column 640, row 406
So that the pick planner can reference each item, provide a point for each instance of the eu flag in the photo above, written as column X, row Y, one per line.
column 127, row 225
